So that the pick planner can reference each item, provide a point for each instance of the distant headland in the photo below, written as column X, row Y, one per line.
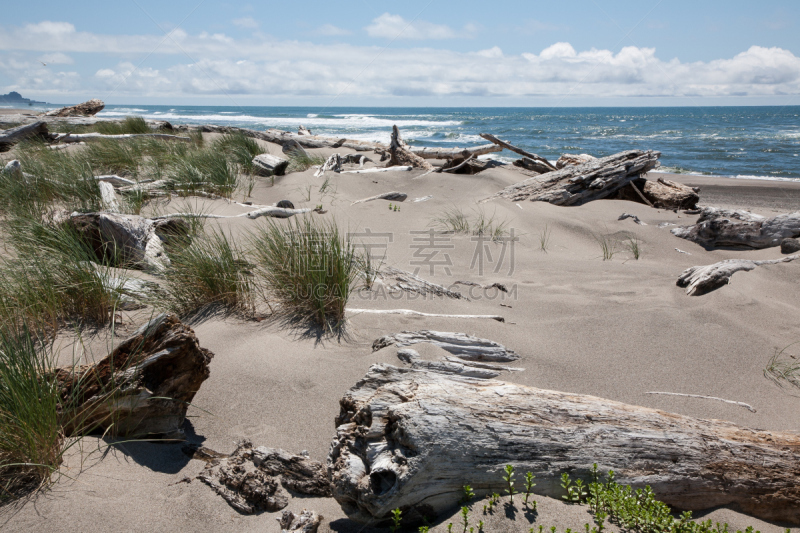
column 14, row 98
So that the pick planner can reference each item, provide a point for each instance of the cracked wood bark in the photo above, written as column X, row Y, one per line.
column 718, row 228
column 519, row 151
column 400, row 156
column 576, row 185
column 412, row 357
column 666, row 194
column 143, row 388
column 412, row 439
column 463, row 346
column 12, row 136
column 700, row 280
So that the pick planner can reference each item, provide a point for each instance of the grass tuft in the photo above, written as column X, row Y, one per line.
column 298, row 161
column 633, row 244
column 783, row 368
column 544, row 238
column 240, row 150
column 454, row 220
column 608, row 246
column 308, row 266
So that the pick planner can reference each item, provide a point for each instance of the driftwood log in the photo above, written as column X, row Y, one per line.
column 88, row 108
column 568, row 160
column 790, row 246
column 700, row 280
column 725, row 228
column 305, row 522
column 12, row 136
column 86, row 137
column 661, row 193
column 400, row 156
column 531, row 164
column 412, row 439
column 547, row 164
column 393, row 196
column 128, row 240
column 576, row 185
column 270, row 165
column 396, row 280
column 142, row 389
column 250, row 479
column 463, row 346
column 452, row 153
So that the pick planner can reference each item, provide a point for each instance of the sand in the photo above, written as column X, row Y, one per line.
column 615, row 329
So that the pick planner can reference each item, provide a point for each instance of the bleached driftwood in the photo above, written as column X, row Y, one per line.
column 412, row 439
column 717, row 228
column 129, row 239
column 12, row 167
column 461, row 368
column 519, row 151
column 142, row 389
column 458, row 166
column 373, row 170
column 302, row 130
column 250, row 478
column 291, row 146
column 452, row 153
column 410, row 312
column 12, row 136
column 530, row 164
column 394, row 196
column 576, row 185
column 667, row 194
column 567, row 160
column 700, row 280
column 463, row 346
column 623, row 216
column 108, row 198
column 333, row 163
column 276, row 212
column 399, row 155
column 408, row 282
column 269, row 165
column 88, row 137
column 305, row 522
column 702, row 397
column 88, row 108
column 115, row 180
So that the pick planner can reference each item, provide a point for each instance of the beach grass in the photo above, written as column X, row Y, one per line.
column 211, row 271
column 608, row 246
column 300, row 161
column 240, row 150
column 784, row 368
column 205, row 170
column 308, row 266
column 455, row 220
column 544, row 238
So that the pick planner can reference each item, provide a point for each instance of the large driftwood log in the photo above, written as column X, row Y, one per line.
column 88, row 108
column 142, row 389
column 700, row 280
column 452, row 153
column 531, row 164
column 305, row 522
column 250, row 478
column 128, row 239
column 400, row 156
column 567, row 160
column 520, row 151
column 269, row 165
column 575, row 185
column 412, row 439
column 84, row 137
column 717, row 228
column 667, row 194
column 10, row 137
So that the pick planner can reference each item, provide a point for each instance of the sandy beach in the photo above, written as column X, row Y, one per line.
column 617, row 329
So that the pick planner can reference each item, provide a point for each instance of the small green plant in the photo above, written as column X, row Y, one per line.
column 468, row 494
column 480, row 525
column 509, row 479
column 544, row 238
column 576, row 491
column 397, row 518
column 424, row 529
column 783, row 368
column 529, row 484
column 465, row 517
column 450, row 527
column 634, row 246
column 608, row 246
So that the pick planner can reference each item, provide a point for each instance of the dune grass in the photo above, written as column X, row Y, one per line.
column 634, row 245
column 454, row 220
column 240, row 150
column 31, row 440
column 608, row 246
column 211, row 271
column 299, row 161
column 307, row 266
column 207, row 171
column 784, row 368
column 544, row 238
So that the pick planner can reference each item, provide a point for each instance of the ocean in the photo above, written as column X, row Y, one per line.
column 736, row 142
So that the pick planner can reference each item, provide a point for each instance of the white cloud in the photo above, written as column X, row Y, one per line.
column 56, row 58
column 246, row 22
column 259, row 65
column 389, row 26
column 330, row 30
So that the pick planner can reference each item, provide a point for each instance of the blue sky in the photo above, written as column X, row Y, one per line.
column 613, row 52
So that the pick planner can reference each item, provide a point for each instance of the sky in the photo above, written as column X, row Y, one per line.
column 411, row 53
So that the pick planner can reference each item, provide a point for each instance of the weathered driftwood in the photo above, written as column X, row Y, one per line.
column 333, row 163
column 269, row 165
column 399, row 155
column 394, row 196
column 108, row 198
column 250, row 478
column 636, row 219
column 718, row 228
column 276, row 212
column 454, row 165
column 88, row 108
column 128, row 239
column 410, row 312
column 790, row 246
column 531, row 164
column 575, row 185
column 411, row 357
column 305, row 522
column 519, row 151
column 452, row 153
column 115, row 180
column 412, row 439
column 12, row 167
column 568, row 160
column 142, row 389
column 463, row 346
column 302, row 130
column 700, row 280
column 293, row 147
column 702, row 397
column 400, row 280
column 666, row 194
column 87, row 137
column 374, row 170
column 12, row 136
